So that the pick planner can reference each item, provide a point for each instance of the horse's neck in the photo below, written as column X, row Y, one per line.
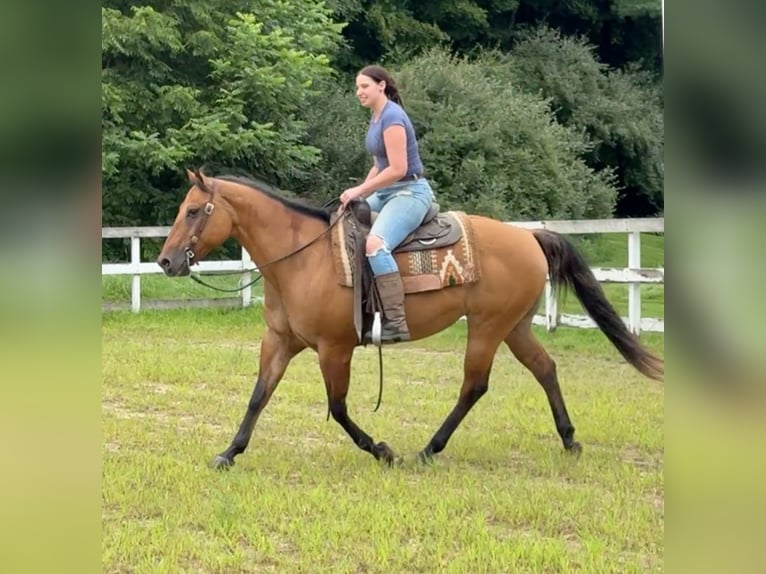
column 271, row 231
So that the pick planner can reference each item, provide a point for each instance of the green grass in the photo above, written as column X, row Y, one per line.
column 611, row 249
column 502, row 497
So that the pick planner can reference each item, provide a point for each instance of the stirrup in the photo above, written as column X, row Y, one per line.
column 376, row 333
column 377, row 330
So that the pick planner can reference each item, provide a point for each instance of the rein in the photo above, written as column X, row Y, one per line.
column 236, row 289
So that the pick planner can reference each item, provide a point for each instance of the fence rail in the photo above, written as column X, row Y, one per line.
column 633, row 275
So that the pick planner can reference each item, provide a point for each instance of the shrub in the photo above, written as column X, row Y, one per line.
column 488, row 147
column 620, row 111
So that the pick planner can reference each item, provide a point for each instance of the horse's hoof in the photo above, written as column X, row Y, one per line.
column 394, row 462
column 425, row 458
column 222, row 463
column 387, row 455
column 575, row 449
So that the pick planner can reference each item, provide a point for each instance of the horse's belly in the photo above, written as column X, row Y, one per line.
column 433, row 311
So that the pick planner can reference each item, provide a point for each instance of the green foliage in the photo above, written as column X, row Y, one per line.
column 212, row 82
column 620, row 110
column 336, row 124
column 382, row 30
column 263, row 91
column 637, row 8
column 496, row 150
column 493, row 149
column 621, row 31
column 488, row 147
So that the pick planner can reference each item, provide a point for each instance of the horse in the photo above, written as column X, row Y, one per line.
column 305, row 306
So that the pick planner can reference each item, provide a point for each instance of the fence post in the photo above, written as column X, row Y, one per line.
column 551, row 306
column 634, row 289
column 247, row 292
column 135, row 260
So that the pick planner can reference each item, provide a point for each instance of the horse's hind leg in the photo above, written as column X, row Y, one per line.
column 335, row 363
column 276, row 352
column 528, row 350
column 480, row 352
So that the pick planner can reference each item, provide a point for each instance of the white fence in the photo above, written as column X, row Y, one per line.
column 634, row 275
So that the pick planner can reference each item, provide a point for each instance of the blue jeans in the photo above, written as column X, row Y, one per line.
column 401, row 208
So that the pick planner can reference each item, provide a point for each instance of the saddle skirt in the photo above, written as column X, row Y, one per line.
column 440, row 253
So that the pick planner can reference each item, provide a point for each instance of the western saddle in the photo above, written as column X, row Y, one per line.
column 437, row 230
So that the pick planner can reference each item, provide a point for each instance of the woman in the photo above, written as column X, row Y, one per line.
column 394, row 187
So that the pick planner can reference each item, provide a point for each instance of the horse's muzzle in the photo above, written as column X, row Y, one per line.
column 177, row 266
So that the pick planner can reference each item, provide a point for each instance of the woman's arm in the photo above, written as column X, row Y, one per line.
column 372, row 173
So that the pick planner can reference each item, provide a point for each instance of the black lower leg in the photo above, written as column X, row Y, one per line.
column 458, row 413
column 242, row 438
column 564, row 426
column 531, row 354
column 380, row 451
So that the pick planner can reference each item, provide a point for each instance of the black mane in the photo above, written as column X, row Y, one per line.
column 269, row 190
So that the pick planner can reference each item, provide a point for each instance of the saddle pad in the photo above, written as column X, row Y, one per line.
column 422, row 270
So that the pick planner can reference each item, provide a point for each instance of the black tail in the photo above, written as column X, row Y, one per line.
column 568, row 268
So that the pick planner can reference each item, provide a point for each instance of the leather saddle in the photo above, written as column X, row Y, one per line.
column 437, row 230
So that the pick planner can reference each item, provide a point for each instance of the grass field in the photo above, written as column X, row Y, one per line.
column 502, row 497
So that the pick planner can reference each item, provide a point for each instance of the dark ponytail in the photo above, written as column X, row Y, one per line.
column 381, row 75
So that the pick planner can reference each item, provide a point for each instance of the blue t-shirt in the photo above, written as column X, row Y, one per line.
column 392, row 115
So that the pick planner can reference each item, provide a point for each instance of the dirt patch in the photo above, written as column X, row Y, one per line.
column 158, row 388
column 119, row 410
column 643, row 460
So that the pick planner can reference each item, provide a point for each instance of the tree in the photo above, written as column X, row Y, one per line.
column 622, row 31
column 620, row 110
column 207, row 81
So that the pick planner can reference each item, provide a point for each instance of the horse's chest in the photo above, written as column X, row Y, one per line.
column 313, row 317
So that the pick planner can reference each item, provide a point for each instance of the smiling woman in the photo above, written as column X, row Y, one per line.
column 307, row 307
column 394, row 187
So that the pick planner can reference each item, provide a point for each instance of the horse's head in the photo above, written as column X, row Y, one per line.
column 200, row 226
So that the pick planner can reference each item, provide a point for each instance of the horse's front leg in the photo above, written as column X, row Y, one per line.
column 277, row 349
column 335, row 363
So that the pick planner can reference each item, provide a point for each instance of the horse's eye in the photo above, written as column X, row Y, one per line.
column 192, row 212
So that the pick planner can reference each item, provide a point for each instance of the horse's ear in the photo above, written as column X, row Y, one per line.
column 197, row 178
column 192, row 177
column 207, row 183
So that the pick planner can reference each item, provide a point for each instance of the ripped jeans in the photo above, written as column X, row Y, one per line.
column 401, row 208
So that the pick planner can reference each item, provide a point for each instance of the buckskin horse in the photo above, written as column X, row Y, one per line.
column 307, row 305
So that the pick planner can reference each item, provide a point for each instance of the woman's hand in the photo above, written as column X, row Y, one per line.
column 348, row 195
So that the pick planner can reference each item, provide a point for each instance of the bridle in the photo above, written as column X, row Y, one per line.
column 200, row 225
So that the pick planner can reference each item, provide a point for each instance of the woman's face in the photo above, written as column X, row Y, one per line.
column 368, row 90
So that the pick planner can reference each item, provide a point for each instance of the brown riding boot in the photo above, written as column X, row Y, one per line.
column 391, row 291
